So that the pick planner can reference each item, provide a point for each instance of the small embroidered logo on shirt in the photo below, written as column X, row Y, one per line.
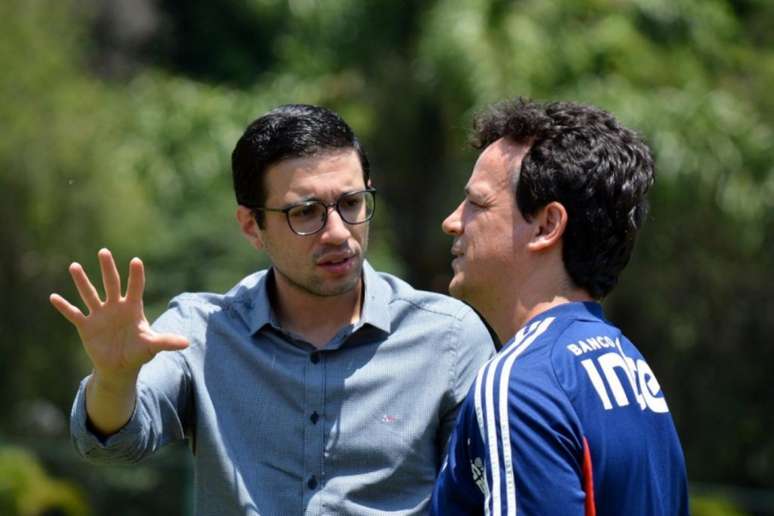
column 389, row 419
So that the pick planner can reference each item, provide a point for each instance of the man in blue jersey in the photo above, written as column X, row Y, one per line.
column 568, row 418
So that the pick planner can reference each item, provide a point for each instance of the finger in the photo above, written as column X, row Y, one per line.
column 70, row 312
column 110, row 277
column 135, row 285
column 168, row 342
column 85, row 288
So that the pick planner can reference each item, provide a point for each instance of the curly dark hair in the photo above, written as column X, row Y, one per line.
column 286, row 132
column 583, row 158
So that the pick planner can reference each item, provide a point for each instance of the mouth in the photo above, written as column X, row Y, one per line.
column 337, row 263
column 457, row 255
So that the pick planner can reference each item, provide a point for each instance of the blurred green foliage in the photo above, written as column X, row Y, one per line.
column 26, row 490
column 712, row 506
column 118, row 119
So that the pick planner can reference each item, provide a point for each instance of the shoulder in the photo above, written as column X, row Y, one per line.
column 521, row 390
column 402, row 296
column 445, row 327
column 239, row 295
column 191, row 310
column 555, row 338
column 443, row 320
column 573, row 360
column 542, row 361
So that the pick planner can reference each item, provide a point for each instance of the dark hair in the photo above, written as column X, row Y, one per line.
column 583, row 158
column 286, row 132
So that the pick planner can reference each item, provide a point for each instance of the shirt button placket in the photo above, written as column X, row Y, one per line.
column 313, row 433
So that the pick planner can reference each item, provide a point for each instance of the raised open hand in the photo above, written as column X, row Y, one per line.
column 115, row 333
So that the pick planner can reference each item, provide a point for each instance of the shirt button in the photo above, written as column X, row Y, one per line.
column 315, row 357
column 314, row 417
column 312, row 483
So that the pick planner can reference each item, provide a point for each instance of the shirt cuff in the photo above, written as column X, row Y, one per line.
column 93, row 446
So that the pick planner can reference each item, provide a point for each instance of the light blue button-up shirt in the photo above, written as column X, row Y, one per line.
column 278, row 427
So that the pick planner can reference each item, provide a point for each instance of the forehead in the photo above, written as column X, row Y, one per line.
column 496, row 165
column 323, row 175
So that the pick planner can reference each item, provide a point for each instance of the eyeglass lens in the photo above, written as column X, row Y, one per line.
column 310, row 217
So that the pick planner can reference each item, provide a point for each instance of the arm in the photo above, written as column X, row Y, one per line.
column 534, row 446
column 472, row 347
column 460, row 488
column 117, row 338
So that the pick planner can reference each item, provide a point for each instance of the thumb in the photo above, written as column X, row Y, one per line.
column 168, row 342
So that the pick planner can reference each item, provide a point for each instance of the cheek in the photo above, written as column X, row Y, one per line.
column 360, row 234
column 492, row 247
column 288, row 250
column 365, row 233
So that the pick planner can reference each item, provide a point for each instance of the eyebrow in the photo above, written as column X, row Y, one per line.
column 310, row 198
column 471, row 193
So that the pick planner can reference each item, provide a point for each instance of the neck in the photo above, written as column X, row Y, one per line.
column 315, row 318
column 509, row 315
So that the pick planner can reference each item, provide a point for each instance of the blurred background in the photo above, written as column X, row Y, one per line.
column 117, row 120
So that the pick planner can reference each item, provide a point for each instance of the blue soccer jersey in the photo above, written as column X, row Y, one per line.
column 568, row 419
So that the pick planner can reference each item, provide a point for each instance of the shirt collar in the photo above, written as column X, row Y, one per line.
column 255, row 302
column 252, row 301
column 376, row 301
column 584, row 310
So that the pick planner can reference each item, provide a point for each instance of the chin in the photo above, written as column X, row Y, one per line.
column 339, row 286
column 455, row 289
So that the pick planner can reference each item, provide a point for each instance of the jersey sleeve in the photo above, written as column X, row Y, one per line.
column 458, row 489
column 535, row 446
column 518, row 447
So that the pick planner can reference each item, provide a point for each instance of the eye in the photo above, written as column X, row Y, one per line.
column 307, row 211
column 351, row 202
column 475, row 204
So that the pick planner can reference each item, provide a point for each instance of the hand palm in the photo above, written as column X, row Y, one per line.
column 117, row 336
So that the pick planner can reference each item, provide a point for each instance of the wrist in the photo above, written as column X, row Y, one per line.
column 114, row 384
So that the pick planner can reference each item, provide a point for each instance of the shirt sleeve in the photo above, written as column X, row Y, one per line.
column 473, row 347
column 161, row 411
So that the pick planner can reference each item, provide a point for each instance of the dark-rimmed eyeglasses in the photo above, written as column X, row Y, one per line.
column 309, row 217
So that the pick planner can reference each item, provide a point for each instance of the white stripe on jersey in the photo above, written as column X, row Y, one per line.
column 491, row 438
column 488, row 429
column 481, row 427
column 480, row 419
column 505, row 431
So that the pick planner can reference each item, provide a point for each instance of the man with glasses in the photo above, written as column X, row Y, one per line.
column 319, row 386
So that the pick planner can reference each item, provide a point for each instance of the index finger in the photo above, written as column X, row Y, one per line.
column 85, row 288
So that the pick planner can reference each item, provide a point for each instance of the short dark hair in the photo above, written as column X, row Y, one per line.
column 286, row 132
column 583, row 158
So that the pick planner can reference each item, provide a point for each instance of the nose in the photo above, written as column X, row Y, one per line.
column 452, row 225
column 335, row 230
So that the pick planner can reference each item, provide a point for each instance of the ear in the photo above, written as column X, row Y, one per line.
column 549, row 223
column 249, row 226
